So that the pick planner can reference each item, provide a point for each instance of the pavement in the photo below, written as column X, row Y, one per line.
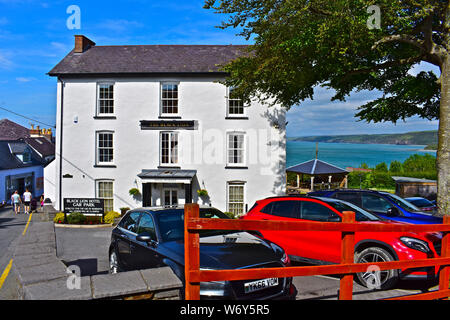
column 11, row 229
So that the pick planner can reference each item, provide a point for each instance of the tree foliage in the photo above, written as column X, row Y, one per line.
column 301, row 44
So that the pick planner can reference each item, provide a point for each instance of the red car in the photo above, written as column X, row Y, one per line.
column 324, row 247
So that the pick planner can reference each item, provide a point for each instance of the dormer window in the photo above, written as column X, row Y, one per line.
column 26, row 156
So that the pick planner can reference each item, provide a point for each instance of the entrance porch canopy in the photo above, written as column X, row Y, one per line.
column 168, row 176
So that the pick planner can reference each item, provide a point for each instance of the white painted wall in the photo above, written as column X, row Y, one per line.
column 50, row 178
column 135, row 149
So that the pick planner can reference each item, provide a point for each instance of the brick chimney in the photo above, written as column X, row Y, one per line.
column 82, row 43
column 40, row 133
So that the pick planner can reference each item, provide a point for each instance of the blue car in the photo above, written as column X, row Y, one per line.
column 383, row 204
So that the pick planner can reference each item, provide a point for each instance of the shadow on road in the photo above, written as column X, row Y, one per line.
column 88, row 267
column 4, row 223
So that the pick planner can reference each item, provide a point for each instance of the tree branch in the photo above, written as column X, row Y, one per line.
column 406, row 38
column 385, row 65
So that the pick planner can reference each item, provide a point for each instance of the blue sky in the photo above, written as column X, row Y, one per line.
column 34, row 38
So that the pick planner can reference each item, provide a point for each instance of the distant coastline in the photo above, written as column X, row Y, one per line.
column 428, row 139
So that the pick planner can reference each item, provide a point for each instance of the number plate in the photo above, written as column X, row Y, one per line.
column 260, row 285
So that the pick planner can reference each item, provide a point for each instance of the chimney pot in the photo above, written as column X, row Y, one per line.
column 82, row 43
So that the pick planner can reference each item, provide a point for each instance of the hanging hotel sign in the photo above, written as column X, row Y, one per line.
column 168, row 124
column 84, row 205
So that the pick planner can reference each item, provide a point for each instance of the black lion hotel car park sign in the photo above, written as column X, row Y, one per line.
column 84, row 205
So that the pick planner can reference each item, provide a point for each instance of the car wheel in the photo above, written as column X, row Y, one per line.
column 374, row 278
column 114, row 266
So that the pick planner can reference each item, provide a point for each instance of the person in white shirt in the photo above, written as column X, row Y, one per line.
column 15, row 201
column 27, row 200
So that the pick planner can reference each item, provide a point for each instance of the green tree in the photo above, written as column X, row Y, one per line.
column 420, row 163
column 395, row 167
column 381, row 167
column 302, row 44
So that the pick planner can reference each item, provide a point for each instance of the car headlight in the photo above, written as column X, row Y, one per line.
column 415, row 244
column 285, row 259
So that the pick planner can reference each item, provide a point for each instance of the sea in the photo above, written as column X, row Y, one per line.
column 350, row 154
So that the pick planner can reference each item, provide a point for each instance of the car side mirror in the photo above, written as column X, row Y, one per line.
column 334, row 218
column 145, row 237
column 393, row 212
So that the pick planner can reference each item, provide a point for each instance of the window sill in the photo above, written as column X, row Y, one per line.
column 105, row 166
column 169, row 117
column 236, row 118
column 105, row 117
column 236, row 167
column 168, row 167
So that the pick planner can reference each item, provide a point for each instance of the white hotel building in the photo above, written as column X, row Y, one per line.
column 155, row 118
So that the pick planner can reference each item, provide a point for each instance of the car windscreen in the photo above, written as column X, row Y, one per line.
column 360, row 214
column 402, row 203
column 171, row 223
column 421, row 203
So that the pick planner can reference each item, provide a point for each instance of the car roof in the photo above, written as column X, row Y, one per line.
column 351, row 190
column 165, row 208
column 415, row 198
column 300, row 196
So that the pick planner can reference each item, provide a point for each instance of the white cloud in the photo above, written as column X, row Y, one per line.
column 324, row 117
column 5, row 62
column 119, row 25
column 25, row 79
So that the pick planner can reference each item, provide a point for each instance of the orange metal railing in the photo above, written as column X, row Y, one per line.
column 193, row 224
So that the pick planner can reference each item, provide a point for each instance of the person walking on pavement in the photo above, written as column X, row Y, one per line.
column 27, row 200
column 41, row 200
column 15, row 201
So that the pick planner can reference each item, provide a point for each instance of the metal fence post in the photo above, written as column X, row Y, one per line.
column 191, row 252
column 444, row 276
column 347, row 257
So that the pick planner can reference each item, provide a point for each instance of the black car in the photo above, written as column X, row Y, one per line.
column 154, row 237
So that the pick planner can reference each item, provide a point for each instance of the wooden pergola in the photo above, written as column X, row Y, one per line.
column 322, row 173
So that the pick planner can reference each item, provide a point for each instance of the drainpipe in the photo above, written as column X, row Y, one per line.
column 61, row 147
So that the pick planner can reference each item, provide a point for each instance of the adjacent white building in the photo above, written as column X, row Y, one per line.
column 155, row 118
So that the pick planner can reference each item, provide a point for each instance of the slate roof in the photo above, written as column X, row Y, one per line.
column 41, row 145
column 316, row 167
column 9, row 161
column 10, row 130
column 147, row 59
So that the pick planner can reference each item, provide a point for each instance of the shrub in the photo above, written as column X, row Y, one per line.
column 59, row 218
column 93, row 220
column 230, row 215
column 134, row 192
column 357, row 179
column 76, row 218
column 202, row 193
column 110, row 216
